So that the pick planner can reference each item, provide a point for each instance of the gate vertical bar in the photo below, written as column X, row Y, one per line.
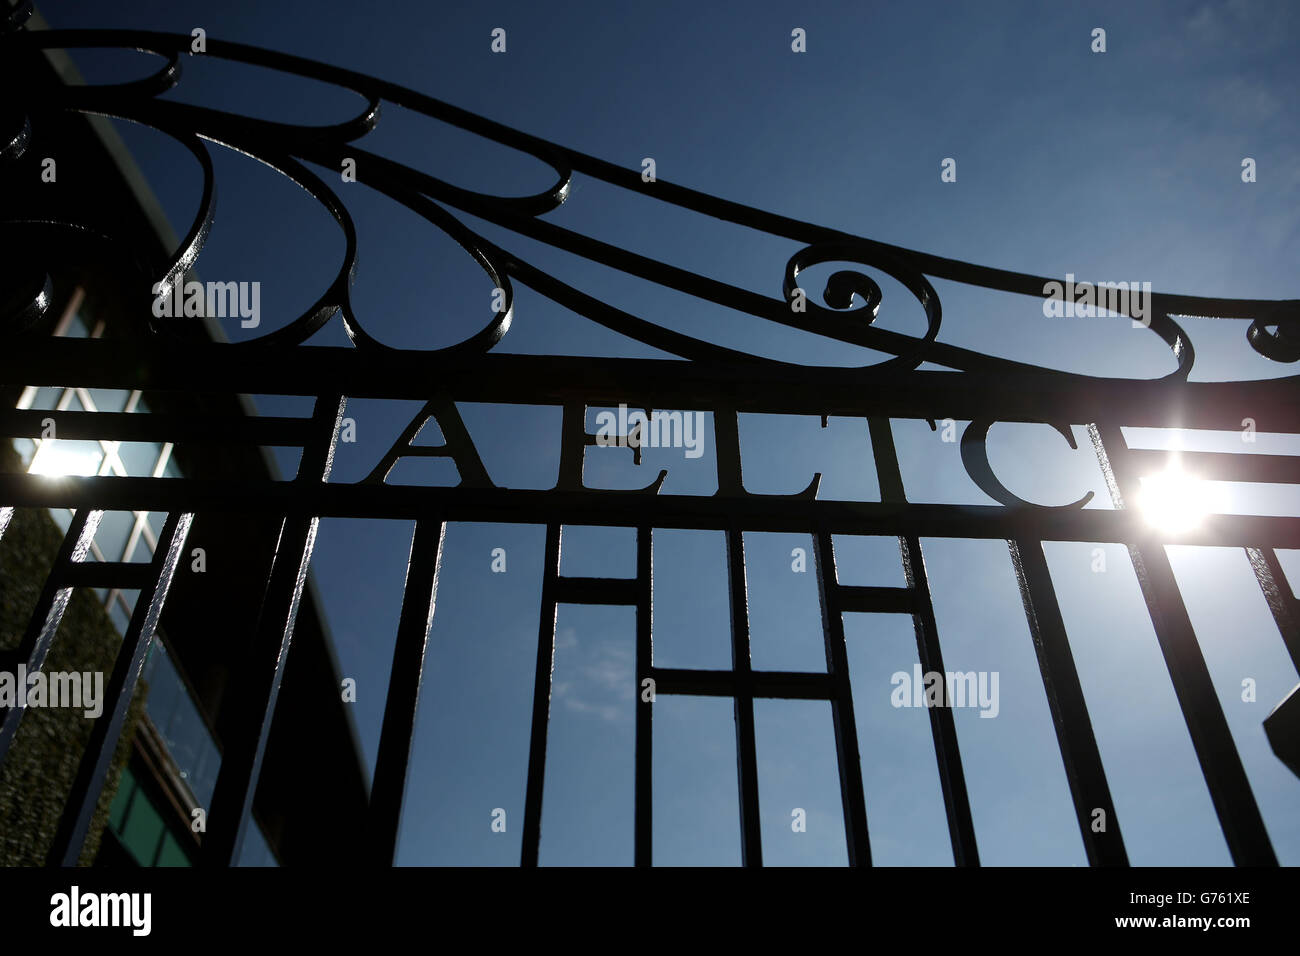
column 952, row 778
column 541, row 700
column 397, row 734
column 731, row 485
column 48, row 613
column 943, row 729
column 93, row 768
column 251, row 711
column 846, row 727
column 1280, row 597
column 644, row 807
column 751, row 833
column 1243, row 827
column 1083, row 766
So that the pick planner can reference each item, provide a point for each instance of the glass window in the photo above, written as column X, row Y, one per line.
column 46, row 397
column 121, row 800
column 141, row 552
column 77, row 328
column 177, row 718
column 63, row 518
column 114, row 531
column 171, row 853
column 121, row 617
column 148, row 835
column 26, row 448
column 139, row 457
column 109, row 399
column 64, row 457
column 142, row 830
column 256, row 851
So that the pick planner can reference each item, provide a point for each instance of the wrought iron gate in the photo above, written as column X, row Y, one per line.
column 725, row 383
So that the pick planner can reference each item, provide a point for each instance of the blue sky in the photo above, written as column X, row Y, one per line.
column 1116, row 166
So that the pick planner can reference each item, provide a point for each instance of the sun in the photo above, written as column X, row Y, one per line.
column 1174, row 500
column 55, row 460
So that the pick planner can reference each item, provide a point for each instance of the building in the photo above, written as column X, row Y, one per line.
column 166, row 765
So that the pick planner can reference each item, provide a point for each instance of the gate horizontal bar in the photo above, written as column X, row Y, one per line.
column 610, row 591
column 153, row 426
column 632, row 508
column 777, row 685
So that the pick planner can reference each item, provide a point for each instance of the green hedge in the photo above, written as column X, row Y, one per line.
column 42, row 762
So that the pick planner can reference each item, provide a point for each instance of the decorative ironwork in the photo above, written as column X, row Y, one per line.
column 982, row 389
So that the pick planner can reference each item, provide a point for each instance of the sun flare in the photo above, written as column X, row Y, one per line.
column 1174, row 500
column 55, row 460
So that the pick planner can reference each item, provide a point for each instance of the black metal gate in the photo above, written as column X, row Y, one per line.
column 725, row 383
